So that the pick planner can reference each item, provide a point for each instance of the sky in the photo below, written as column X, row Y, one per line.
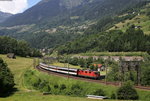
column 16, row 6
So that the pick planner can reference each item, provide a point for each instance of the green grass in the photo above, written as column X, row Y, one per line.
column 20, row 65
column 144, row 23
column 112, row 54
column 90, row 87
column 53, row 80
column 36, row 96
column 65, row 65
column 140, row 20
column 102, row 72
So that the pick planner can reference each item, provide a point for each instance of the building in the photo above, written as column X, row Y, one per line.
column 100, row 67
column 11, row 55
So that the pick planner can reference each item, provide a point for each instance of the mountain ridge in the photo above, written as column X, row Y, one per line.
column 4, row 16
column 44, row 30
column 49, row 10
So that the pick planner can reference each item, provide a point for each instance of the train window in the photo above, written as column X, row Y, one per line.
column 89, row 72
column 85, row 71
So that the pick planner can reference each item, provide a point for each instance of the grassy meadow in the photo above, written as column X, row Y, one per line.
column 18, row 67
column 112, row 54
column 36, row 96
column 86, row 86
column 140, row 20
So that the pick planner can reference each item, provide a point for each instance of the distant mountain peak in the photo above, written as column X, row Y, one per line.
column 68, row 3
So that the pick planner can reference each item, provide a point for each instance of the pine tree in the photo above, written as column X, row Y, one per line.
column 6, row 79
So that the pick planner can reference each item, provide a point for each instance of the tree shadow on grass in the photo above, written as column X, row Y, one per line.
column 10, row 93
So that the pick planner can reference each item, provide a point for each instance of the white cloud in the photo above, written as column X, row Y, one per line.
column 14, row 6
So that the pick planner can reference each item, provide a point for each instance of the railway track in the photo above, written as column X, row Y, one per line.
column 88, row 79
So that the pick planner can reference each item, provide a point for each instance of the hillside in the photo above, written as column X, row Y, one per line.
column 54, row 22
column 4, row 16
column 23, row 70
column 18, row 67
column 50, row 10
column 141, row 20
column 129, row 39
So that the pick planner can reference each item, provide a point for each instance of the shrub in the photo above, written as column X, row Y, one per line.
column 127, row 92
column 113, row 95
column 148, row 13
column 81, row 62
column 62, row 87
column 99, row 92
column 56, row 89
column 43, row 84
column 73, row 61
column 146, row 73
column 56, row 86
column 35, row 82
column 47, row 88
column 76, row 90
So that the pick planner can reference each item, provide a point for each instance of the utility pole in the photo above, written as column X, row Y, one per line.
column 68, row 70
column 68, row 66
column 106, row 65
column 70, row 3
column 34, row 62
column 38, row 60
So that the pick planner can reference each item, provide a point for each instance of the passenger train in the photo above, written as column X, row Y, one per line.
column 71, row 71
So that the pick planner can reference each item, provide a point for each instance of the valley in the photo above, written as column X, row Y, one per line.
column 64, row 50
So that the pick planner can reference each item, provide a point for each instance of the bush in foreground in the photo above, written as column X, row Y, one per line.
column 113, row 95
column 127, row 92
column 6, row 79
column 99, row 92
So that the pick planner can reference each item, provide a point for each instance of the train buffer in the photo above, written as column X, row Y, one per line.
column 96, row 97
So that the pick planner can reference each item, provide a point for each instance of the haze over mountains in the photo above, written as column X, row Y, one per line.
column 4, row 16
column 49, row 10
column 54, row 22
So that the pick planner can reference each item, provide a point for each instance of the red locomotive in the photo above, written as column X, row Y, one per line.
column 88, row 73
column 71, row 71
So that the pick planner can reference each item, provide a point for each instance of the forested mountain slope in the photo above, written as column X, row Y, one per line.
column 54, row 22
column 109, row 35
column 50, row 10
